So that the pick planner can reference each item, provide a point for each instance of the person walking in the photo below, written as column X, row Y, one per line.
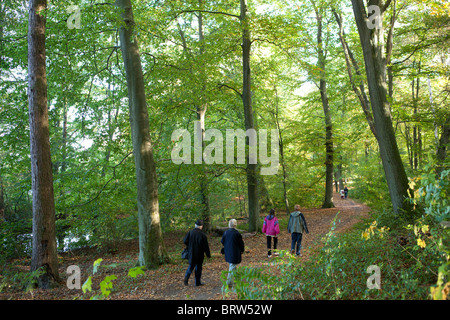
column 233, row 246
column 197, row 244
column 345, row 192
column 271, row 229
column 296, row 226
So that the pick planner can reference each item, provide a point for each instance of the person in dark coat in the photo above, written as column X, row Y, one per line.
column 197, row 244
column 233, row 246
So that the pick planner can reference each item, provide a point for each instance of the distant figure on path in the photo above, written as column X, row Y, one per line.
column 233, row 246
column 296, row 226
column 271, row 229
column 197, row 244
column 345, row 192
column 342, row 194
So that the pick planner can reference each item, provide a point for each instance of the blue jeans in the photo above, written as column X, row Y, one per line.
column 230, row 274
column 296, row 240
column 198, row 272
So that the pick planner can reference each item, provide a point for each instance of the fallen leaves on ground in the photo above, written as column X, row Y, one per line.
column 166, row 282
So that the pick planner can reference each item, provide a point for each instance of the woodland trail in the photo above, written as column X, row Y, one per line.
column 166, row 282
column 318, row 220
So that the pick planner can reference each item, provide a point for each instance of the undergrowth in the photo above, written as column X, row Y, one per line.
column 412, row 260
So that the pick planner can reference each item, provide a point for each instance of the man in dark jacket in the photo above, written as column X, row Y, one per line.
column 197, row 244
column 233, row 248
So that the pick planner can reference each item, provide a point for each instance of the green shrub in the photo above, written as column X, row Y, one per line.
column 338, row 268
column 274, row 282
column 431, row 230
column 15, row 239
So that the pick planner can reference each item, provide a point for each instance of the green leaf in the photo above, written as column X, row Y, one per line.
column 96, row 265
column 106, row 285
column 87, row 285
column 134, row 272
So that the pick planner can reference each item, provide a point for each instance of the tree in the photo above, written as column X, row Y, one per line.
column 350, row 62
column 252, row 178
column 375, row 65
column 201, row 106
column 44, row 253
column 443, row 147
column 201, row 113
column 152, row 251
column 321, row 64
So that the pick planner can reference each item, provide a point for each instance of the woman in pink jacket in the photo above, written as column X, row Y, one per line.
column 271, row 228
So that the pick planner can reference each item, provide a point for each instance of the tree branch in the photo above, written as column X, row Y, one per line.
column 231, row 88
column 107, row 182
column 207, row 11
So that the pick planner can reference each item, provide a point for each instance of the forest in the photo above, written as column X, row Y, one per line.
column 123, row 122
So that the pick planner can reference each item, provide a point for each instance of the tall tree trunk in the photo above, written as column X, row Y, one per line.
column 321, row 63
column 201, row 113
column 2, row 201
column 252, row 179
column 351, row 61
column 417, row 150
column 282, row 162
column 430, row 93
column 338, row 173
column 375, row 64
column 152, row 251
column 201, row 109
column 204, row 189
column 44, row 253
column 443, row 147
column 2, row 194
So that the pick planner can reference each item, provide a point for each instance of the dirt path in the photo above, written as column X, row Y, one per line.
column 166, row 282
column 318, row 221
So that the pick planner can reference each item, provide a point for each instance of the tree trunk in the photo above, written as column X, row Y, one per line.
column 442, row 150
column 283, row 163
column 329, row 171
column 44, row 253
column 375, row 64
column 204, row 189
column 430, row 94
column 252, row 180
column 201, row 113
column 201, row 108
column 2, row 201
column 152, row 251
column 351, row 61
column 416, row 129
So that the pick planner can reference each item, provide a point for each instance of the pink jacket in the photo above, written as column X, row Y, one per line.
column 271, row 226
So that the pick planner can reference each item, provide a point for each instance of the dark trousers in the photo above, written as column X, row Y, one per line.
column 198, row 272
column 296, row 240
column 269, row 244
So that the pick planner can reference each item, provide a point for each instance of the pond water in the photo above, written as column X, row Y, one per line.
column 24, row 242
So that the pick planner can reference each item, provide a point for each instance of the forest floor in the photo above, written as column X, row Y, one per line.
column 166, row 282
